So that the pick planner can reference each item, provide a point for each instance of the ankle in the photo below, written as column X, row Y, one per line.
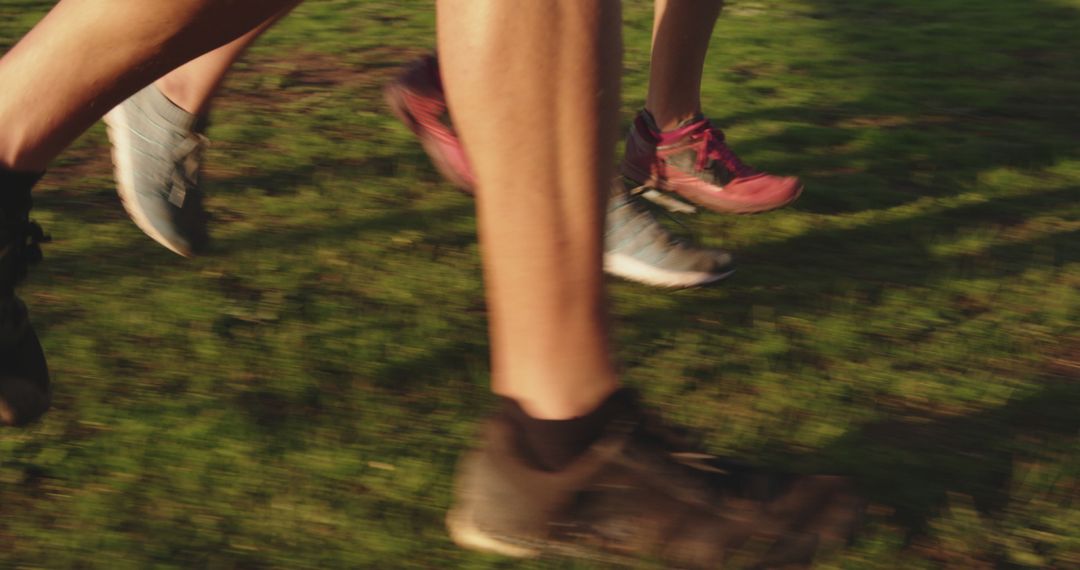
column 664, row 122
column 552, row 445
column 176, row 90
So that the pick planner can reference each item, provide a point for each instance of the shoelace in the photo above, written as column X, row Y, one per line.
column 186, row 171
column 428, row 103
column 721, row 477
column 714, row 148
column 704, row 477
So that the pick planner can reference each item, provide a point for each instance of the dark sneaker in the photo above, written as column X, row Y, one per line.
column 636, row 246
column 634, row 494
column 695, row 162
column 157, row 153
column 24, row 376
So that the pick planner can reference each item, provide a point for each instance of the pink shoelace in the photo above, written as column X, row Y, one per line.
column 710, row 146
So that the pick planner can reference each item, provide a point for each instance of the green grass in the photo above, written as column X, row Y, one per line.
column 297, row 398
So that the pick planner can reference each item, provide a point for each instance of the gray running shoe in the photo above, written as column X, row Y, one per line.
column 634, row 494
column 638, row 248
column 157, row 152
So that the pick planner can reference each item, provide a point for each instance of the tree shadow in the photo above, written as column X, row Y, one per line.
column 967, row 88
column 912, row 464
column 964, row 91
column 793, row 275
column 946, row 91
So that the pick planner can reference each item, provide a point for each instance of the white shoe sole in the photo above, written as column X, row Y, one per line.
column 119, row 131
column 625, row 266
column 468, row 536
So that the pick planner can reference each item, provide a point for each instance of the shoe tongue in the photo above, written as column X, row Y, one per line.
column 650, row 121
column 552, row 445
column 697, row 118
column 169, row 110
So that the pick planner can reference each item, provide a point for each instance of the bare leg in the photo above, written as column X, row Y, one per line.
column 533, row 88
column 551, row 70
column 192, row 85
column 681, row 33
column 118, row 46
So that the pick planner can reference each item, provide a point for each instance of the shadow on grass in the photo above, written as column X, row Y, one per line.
column 952, row 89
column 144, row 254
column 913, row 464
column 897, row 252
column 793, row 275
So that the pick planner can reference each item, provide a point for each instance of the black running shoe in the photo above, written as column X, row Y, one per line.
column 24, row 376
column 634, row 495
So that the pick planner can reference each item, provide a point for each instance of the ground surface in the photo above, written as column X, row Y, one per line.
column 297, row 398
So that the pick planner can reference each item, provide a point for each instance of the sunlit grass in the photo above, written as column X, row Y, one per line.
column 297, row 398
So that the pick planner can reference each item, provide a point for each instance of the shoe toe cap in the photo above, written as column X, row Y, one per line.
column 764, row 188
column 160, row 220
column 24, row 380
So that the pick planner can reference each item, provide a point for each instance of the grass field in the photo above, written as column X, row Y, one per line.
column 298, row 397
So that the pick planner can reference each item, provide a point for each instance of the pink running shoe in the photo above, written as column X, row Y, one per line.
column 416, row 99
column 694, row 162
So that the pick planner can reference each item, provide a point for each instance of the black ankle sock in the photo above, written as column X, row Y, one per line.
column 551, row 445
column 15, row 190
